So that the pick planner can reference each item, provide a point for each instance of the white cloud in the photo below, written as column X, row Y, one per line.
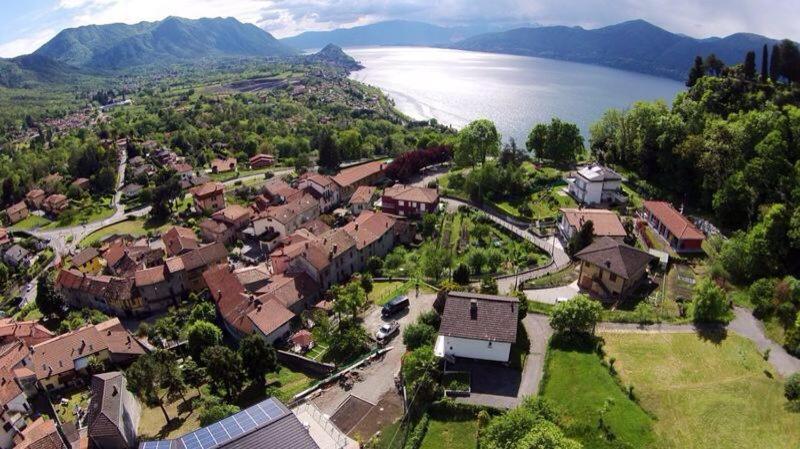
column 26, row 45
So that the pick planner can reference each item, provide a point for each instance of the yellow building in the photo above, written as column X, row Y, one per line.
column 88, row 261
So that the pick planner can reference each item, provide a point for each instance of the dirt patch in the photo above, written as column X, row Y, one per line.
column 350, row 413
column 257, row 84
column 388, row 410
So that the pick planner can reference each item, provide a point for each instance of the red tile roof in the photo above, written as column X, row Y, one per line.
column 223, row 165
column 358, row 173
column 412, row 193
column 29, row 332
column 204, row 256
column 178, row 240
column 285, row 213
column 209, row 189
column 40, row 434
column 606, row 223
column 677, row 224
column 369, row 227
column 363, row 194
column 150, row 276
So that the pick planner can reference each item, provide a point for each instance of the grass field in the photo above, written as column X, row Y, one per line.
column 450, row 434
column 135, row 228
column 705, row 395
column 290, row 382
column 580, row 386
column 185, row 418
column 382, row 292
column 30, row 222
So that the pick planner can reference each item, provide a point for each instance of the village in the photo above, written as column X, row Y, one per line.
column 269, row 263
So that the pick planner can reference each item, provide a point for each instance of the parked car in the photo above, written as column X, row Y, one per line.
column 387, row 330
column 397, row 304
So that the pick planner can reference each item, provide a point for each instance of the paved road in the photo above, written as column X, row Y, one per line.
column 539, row 333
column 378, row 378
column 550, row 295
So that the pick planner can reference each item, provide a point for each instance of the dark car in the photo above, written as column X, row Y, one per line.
column 397, row 304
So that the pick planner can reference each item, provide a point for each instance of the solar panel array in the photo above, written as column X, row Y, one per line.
column 223, row 431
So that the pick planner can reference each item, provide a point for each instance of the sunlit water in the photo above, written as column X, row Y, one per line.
column 516, row 92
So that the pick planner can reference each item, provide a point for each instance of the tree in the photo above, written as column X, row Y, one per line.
column 258, row 356
column 216, row 412
column 420, row 373
column 375, row 265
column 434, row 261
column 48, row 300
column 536, row 140
column 749, row 67
column 714, row 65
column 792, row 387
column 417, row 335
column 578, row 315
column 429, row 224
column 488, row 285
column 476, row 142
column 151, row 375
column 3, row 275
column 349, row 299
column 227, row 368
column 203, row 311
column 559, row 141
column 366, row 284
column 790, row 61
column 461, row 274
column 325, row 144
column 164, row 330
column 697, row 71
column 348, row 340
column 775, row 64
column 764, row 63
column 193, row 374
column 581, row 239
column 531, row 425
column 201, row 335
column 708, row 301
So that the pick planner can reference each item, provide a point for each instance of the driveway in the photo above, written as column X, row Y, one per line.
column 550, row 295
column 499, row 386
column 378, row 377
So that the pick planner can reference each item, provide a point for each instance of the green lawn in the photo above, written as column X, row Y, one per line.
column 86, row 211
column 290, row 382
column 543, row 204
column 77, row 397
column 136, row 228
column 30, row 222
column 706, row 394
column 580, row 386
column 446, row 433
column 382, row 292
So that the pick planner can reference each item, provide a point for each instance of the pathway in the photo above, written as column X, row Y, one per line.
column 744, row 324
column 551, row 295
column 551, row 246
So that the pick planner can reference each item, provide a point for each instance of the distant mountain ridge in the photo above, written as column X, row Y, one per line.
column 172, row 40
column 635, row 45
column 391, row 33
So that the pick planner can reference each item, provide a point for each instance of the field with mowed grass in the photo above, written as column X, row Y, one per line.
column 705, row 394
column 580, row 387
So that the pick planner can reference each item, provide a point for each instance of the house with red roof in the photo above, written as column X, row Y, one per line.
column 321, row 187
column 261, row 161
column 351, row 178
column 409, row 201
column 679, row 232
column 209, row 197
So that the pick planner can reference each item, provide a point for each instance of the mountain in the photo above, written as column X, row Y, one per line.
column 393, row 32
column 334, row 55
column 635, row 45
column 172, row 40
column 23, row 71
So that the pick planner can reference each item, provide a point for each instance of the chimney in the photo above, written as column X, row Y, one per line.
column 114, row 390
column 473, row 309
column 608, row 264
column 356, row 226
column 335, row 248
column 219, row 293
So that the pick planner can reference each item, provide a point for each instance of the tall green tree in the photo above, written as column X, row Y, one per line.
column 582, row 238
column 258, row 357
column 764, row 63
column 201, row 335
column 151, row 378
column 749, row 67
column 558, row 141
column 790, row 61
column 714, row 65
column 48, row 300
column 329, row 157
column 349, row 299
column 708, row 301
column 476, row 142
column 226, row 366
column 697, row 71
column 775, row 64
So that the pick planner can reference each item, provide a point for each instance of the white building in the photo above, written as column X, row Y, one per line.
column 596, row 184
column 478, row 326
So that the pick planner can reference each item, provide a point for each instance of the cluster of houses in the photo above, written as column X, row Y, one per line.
column 610, row 269
column 52, row 204
column 288, row 258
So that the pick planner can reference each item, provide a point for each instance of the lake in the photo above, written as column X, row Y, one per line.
column 516, row 92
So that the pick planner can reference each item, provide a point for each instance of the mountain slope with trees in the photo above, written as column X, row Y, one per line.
column 167, row 41
column 635, row 45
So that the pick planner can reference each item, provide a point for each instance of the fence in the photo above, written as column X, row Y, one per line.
column 339, row 438
column 301, row 363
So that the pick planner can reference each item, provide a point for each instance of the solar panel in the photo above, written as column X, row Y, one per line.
column 221, row 432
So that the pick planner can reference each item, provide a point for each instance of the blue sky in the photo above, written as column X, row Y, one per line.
column 29, row 23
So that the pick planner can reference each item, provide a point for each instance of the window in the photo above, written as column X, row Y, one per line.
column 490, row 344
column 612, row 277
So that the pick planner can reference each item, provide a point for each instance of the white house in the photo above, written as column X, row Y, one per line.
column 596, row 184
column 478, row 326
column 321, row 187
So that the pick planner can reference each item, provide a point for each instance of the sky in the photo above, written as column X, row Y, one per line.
column 27, row 24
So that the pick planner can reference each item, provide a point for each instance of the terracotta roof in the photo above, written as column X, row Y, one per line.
column 262, row 157
column 182, row 167
column 58, row 354
column 285, row 213
column 269, row 316
column 106, row 287
column 336, row 241
column 252, row 275
column 85, row 256
column 4, row 235
column 16, row 208
column 355, row 174
column 316, row 226
column 494, row 318
column 150, row 276
column 321, row 180
column 178, row 240
column 9, row 388
column 35, row 194
column 81, row 182
column 605, row 222
column 30, row 332
column 369, row 227
column 412, row 193
column 204, row 256
column 302, row 338
column 40, row 434
column 290, row 289
column 213, row 226
column 56, row 200
column 233, row 213
column 278, row 187
column 675, row 222
column 618, row 258
column 209, row 189
column 363, row 194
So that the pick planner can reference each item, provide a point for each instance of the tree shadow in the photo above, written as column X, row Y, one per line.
column 713, row 332
column 768, row 374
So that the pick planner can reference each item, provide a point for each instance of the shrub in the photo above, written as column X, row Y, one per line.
column 216, row 412
column 709, row 301
column 792, row 387
column 578, row 315
column 417, row 335
column 417, row 434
